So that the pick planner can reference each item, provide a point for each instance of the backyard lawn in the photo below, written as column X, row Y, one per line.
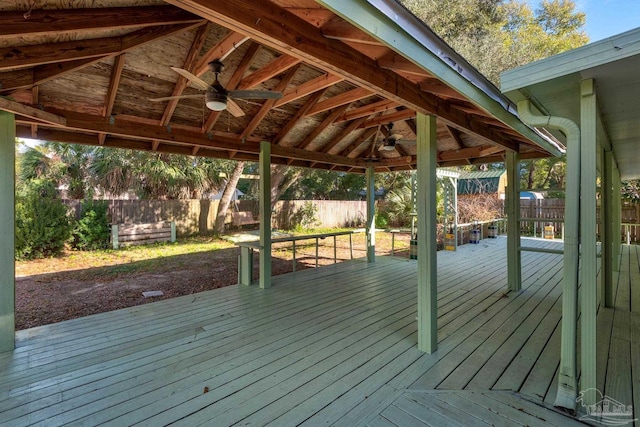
column 78, row 284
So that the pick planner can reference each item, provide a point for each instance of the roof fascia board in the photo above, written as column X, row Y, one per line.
column 409, row 37
column 573, row 61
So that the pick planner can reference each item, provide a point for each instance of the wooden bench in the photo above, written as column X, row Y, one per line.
column 243, row 218
column 141, row 234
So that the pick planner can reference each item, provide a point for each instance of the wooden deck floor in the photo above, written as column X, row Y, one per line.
column 328, row 346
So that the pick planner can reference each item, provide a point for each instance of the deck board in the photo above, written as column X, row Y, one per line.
column 328, row 346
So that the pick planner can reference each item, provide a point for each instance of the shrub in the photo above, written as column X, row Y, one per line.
column 42, row 224
column 92, row 230
column 305, row 217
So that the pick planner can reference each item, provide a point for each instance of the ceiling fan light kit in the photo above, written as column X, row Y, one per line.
column 214, row 100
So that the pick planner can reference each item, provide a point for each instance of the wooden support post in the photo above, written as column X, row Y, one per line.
column 7, row 231
column 245, row 263
column 114, row 236
column 426, row 236
column 173, row 231
column 514, row 267
column 607, row 209
column 294, row 256
column 589, row 292
column 617, row 218
column 265, row 214
column 351, row 245
column 371, row 216
column 335, row 251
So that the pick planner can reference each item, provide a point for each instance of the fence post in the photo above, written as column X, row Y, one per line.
column 114, row 236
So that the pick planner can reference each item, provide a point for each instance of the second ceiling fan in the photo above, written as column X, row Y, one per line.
column 217, row 98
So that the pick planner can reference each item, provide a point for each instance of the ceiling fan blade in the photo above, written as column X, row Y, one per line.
column 255, row 94
column 406, row 141
column 234, row 108
column 195, row 80
column 167, row 98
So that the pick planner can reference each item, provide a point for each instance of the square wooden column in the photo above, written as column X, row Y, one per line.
column 265, row 214
column 588, row 291
column 514, row 263
column 426, row 238
column 7, row 231
column 371, row 215
column 607, row 223
column 617, row 218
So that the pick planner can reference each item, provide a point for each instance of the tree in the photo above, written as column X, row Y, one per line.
column 494, row 35
column 227, row 195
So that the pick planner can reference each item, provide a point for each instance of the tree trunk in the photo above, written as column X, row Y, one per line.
column 227, row 195
column 281, row 181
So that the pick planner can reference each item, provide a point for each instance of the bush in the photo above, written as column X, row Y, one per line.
column 42, row 224
column 92, row 230
column 305, row 217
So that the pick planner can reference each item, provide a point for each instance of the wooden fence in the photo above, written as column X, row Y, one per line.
column 199, row 216
column 551, row 212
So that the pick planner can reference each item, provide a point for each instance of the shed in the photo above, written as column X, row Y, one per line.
column 483, row 182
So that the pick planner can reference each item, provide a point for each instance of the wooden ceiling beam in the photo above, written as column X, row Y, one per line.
column 189, row 63
column 136, row 131
column 112, row 90
column 277, row 66
column 368, row 133
column 339, row 29
column 221, row 50
column 29, row 111
column 342, row 135
column 269, row 103
column 114, row 83
column 57, row 21
column 464, row 153
column 456, row 136
column 395, row 62
column 299, row 115
column 339, row 100
column 389, row 118
column 367, row 110
column 328, row 121
column 307, row 88
column 280, row 29
column 233, row 82
column 10, row 81
column 52, row 53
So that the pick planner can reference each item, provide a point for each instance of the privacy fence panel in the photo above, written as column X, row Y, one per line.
column 199, row 216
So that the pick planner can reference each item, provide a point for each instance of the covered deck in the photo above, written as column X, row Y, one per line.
column 333, row 345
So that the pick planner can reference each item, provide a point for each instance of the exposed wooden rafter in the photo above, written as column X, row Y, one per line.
column 282, row 30
column 300, row 114
column 269, row 103
column 233, row 82
column 344, row 98
column 307, row 88
column 57, row 21
column 44, row 73
column 269, row 71
column 328, row 121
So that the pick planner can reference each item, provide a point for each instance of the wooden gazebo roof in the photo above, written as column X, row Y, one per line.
column 84, row 71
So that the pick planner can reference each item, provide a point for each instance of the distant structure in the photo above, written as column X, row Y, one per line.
column 483, row 182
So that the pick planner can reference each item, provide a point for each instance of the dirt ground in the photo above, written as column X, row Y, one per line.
column 56, row 293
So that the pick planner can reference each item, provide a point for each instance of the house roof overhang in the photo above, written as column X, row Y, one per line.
column 84, row 73
column 553, row 87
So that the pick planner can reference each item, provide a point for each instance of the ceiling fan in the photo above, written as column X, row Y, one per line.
column 389, row 142
column 217, row 98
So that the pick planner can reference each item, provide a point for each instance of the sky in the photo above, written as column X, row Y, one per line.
column 606, row 18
